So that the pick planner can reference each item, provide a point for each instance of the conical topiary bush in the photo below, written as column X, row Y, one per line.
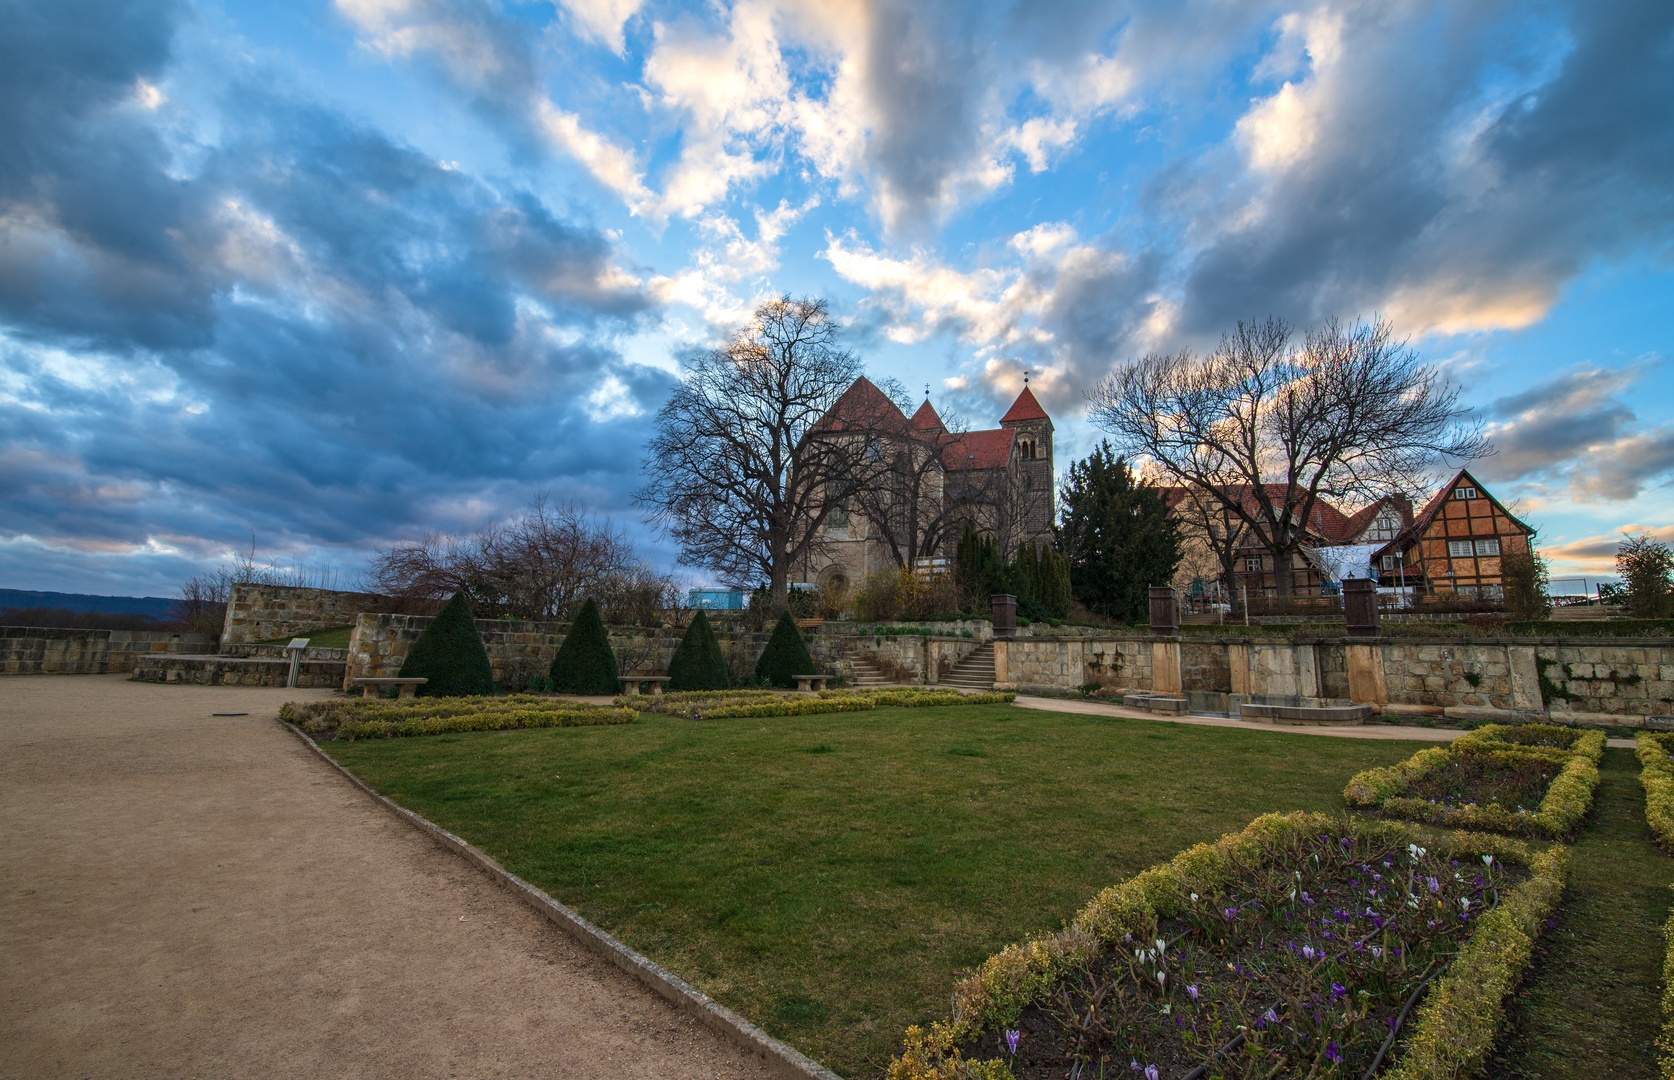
column 786, row 655
column 698, row 663
column 450, row 654
column 585, row 664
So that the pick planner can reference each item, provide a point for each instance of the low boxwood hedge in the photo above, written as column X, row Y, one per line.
column 1656, row 775
column 376, row 719
column 1665, row 1040
column 1451, row 1034
column 1565, row 804
column 724, row 704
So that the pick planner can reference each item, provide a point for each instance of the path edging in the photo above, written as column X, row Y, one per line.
column 783, row 1058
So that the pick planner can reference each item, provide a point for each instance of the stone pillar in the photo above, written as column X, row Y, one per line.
column 1005, row 615
column 1165, row 611
column 1307, row 671
column 1002, row 663
column 1360, row 607
column 1525, row 678
column 1165, row 667
column 1238, row 666
column 1365, row 675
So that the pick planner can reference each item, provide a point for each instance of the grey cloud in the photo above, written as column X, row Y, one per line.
column 1385, row 207
column 319, row 335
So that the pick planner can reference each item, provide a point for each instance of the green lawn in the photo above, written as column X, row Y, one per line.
column 828, row 875
column 1589, row 1006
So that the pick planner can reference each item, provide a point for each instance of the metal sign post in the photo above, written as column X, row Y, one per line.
column 295, row 648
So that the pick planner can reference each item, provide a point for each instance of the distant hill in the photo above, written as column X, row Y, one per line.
column 158, row 607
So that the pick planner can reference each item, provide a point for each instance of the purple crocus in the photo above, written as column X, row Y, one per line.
column 1011, row 1041
column 1332, row 1053
column 1151, row 1072
column 1191, row 991
column 1338, row 990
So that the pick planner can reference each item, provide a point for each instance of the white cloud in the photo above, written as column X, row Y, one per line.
column 602, row 20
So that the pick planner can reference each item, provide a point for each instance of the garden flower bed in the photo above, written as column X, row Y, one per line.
column 363, row 718
column 718, row 704
column 1656, row 775
column 1304, row 946
column 1529, row 779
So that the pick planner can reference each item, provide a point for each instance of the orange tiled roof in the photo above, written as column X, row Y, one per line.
column 1025, row 408
column 979, row 450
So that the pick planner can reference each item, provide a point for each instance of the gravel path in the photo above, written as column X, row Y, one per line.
column 1343, row 731
column 197, row 896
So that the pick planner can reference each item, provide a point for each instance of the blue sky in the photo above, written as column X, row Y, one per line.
column 334, row 274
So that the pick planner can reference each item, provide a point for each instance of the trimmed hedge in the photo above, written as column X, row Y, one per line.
column 1451, row 1033
column 1665, row 1041
column 1592, row 628
column 1567, row 798
column 450, row 654
column 1656, row 776
column 585, row 664
column 371, row 718
column 697, row 663
column 786, row 655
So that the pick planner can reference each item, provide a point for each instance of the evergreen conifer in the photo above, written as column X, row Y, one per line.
column 450, row 654
column 698, row 663
column 585, row 664
column 786, row 655
column 1118, row 536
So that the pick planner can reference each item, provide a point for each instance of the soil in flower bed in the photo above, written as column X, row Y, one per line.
column 1468, row 779
column 1306, row 959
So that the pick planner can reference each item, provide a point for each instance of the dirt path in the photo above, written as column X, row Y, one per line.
column 196, row 896
column 1346, row 731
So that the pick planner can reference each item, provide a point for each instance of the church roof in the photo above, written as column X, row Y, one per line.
column 864, row 407
column 1024, row 408
column 979, row 450
column 927, row 418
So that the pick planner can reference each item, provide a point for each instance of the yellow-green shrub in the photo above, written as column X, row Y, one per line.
column 996, row 994
column 1665, row 1041
column 362, row 718
column 1561, row 810
column 1656, row 775
column 1462, row 1013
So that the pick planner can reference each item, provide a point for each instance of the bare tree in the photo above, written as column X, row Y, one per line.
column 541, row 563
column 904, row 500
column 741, row 470
column 1269, row 426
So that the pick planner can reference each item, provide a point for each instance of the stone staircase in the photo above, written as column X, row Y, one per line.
column 975, row 671
column 866, row 673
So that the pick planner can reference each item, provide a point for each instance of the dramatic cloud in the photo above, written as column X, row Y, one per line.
column 1597, row 554
column 1576, row 432
column 298, row 328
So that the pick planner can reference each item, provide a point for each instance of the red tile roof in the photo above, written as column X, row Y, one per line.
column 863, row 406
column 926, row 418
column 1025, row 408
column 978, row 450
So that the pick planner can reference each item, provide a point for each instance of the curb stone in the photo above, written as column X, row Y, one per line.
column 782, row 1058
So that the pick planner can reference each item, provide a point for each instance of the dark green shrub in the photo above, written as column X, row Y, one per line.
column 585, row 664
column 450, row 654
column 698, row 663
column 786, row 655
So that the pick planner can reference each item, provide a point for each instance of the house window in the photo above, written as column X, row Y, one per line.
column 1464, row 493
column 1487, row 547
column 839, row 516
column 1252, row 565
column 1389, row 562
column 1493, row 592
column 1458, row 549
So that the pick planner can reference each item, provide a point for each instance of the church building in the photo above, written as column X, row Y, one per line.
column 930, row 484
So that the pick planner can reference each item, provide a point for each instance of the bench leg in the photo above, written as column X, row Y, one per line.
column 366, row 690
column 656, row 689
column 407, row 690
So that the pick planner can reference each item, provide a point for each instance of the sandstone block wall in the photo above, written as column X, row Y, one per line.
column 228, row 671
column 36, row 650
column 265, row 612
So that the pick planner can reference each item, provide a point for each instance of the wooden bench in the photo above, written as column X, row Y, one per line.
column 632, row 683
column 810, row 682
column 408, row 686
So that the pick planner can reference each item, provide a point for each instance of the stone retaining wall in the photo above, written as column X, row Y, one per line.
column 43, row 650
column 230, row 671
column 265, row 612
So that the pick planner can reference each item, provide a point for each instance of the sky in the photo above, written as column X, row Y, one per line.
column 322, row 277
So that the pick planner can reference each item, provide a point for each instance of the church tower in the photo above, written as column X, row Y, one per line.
column 1031, row 461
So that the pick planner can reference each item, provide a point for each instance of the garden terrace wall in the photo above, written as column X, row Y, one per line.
column 265, row 612
column 1625, row 682
column 236, row 671
column 38, row 650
